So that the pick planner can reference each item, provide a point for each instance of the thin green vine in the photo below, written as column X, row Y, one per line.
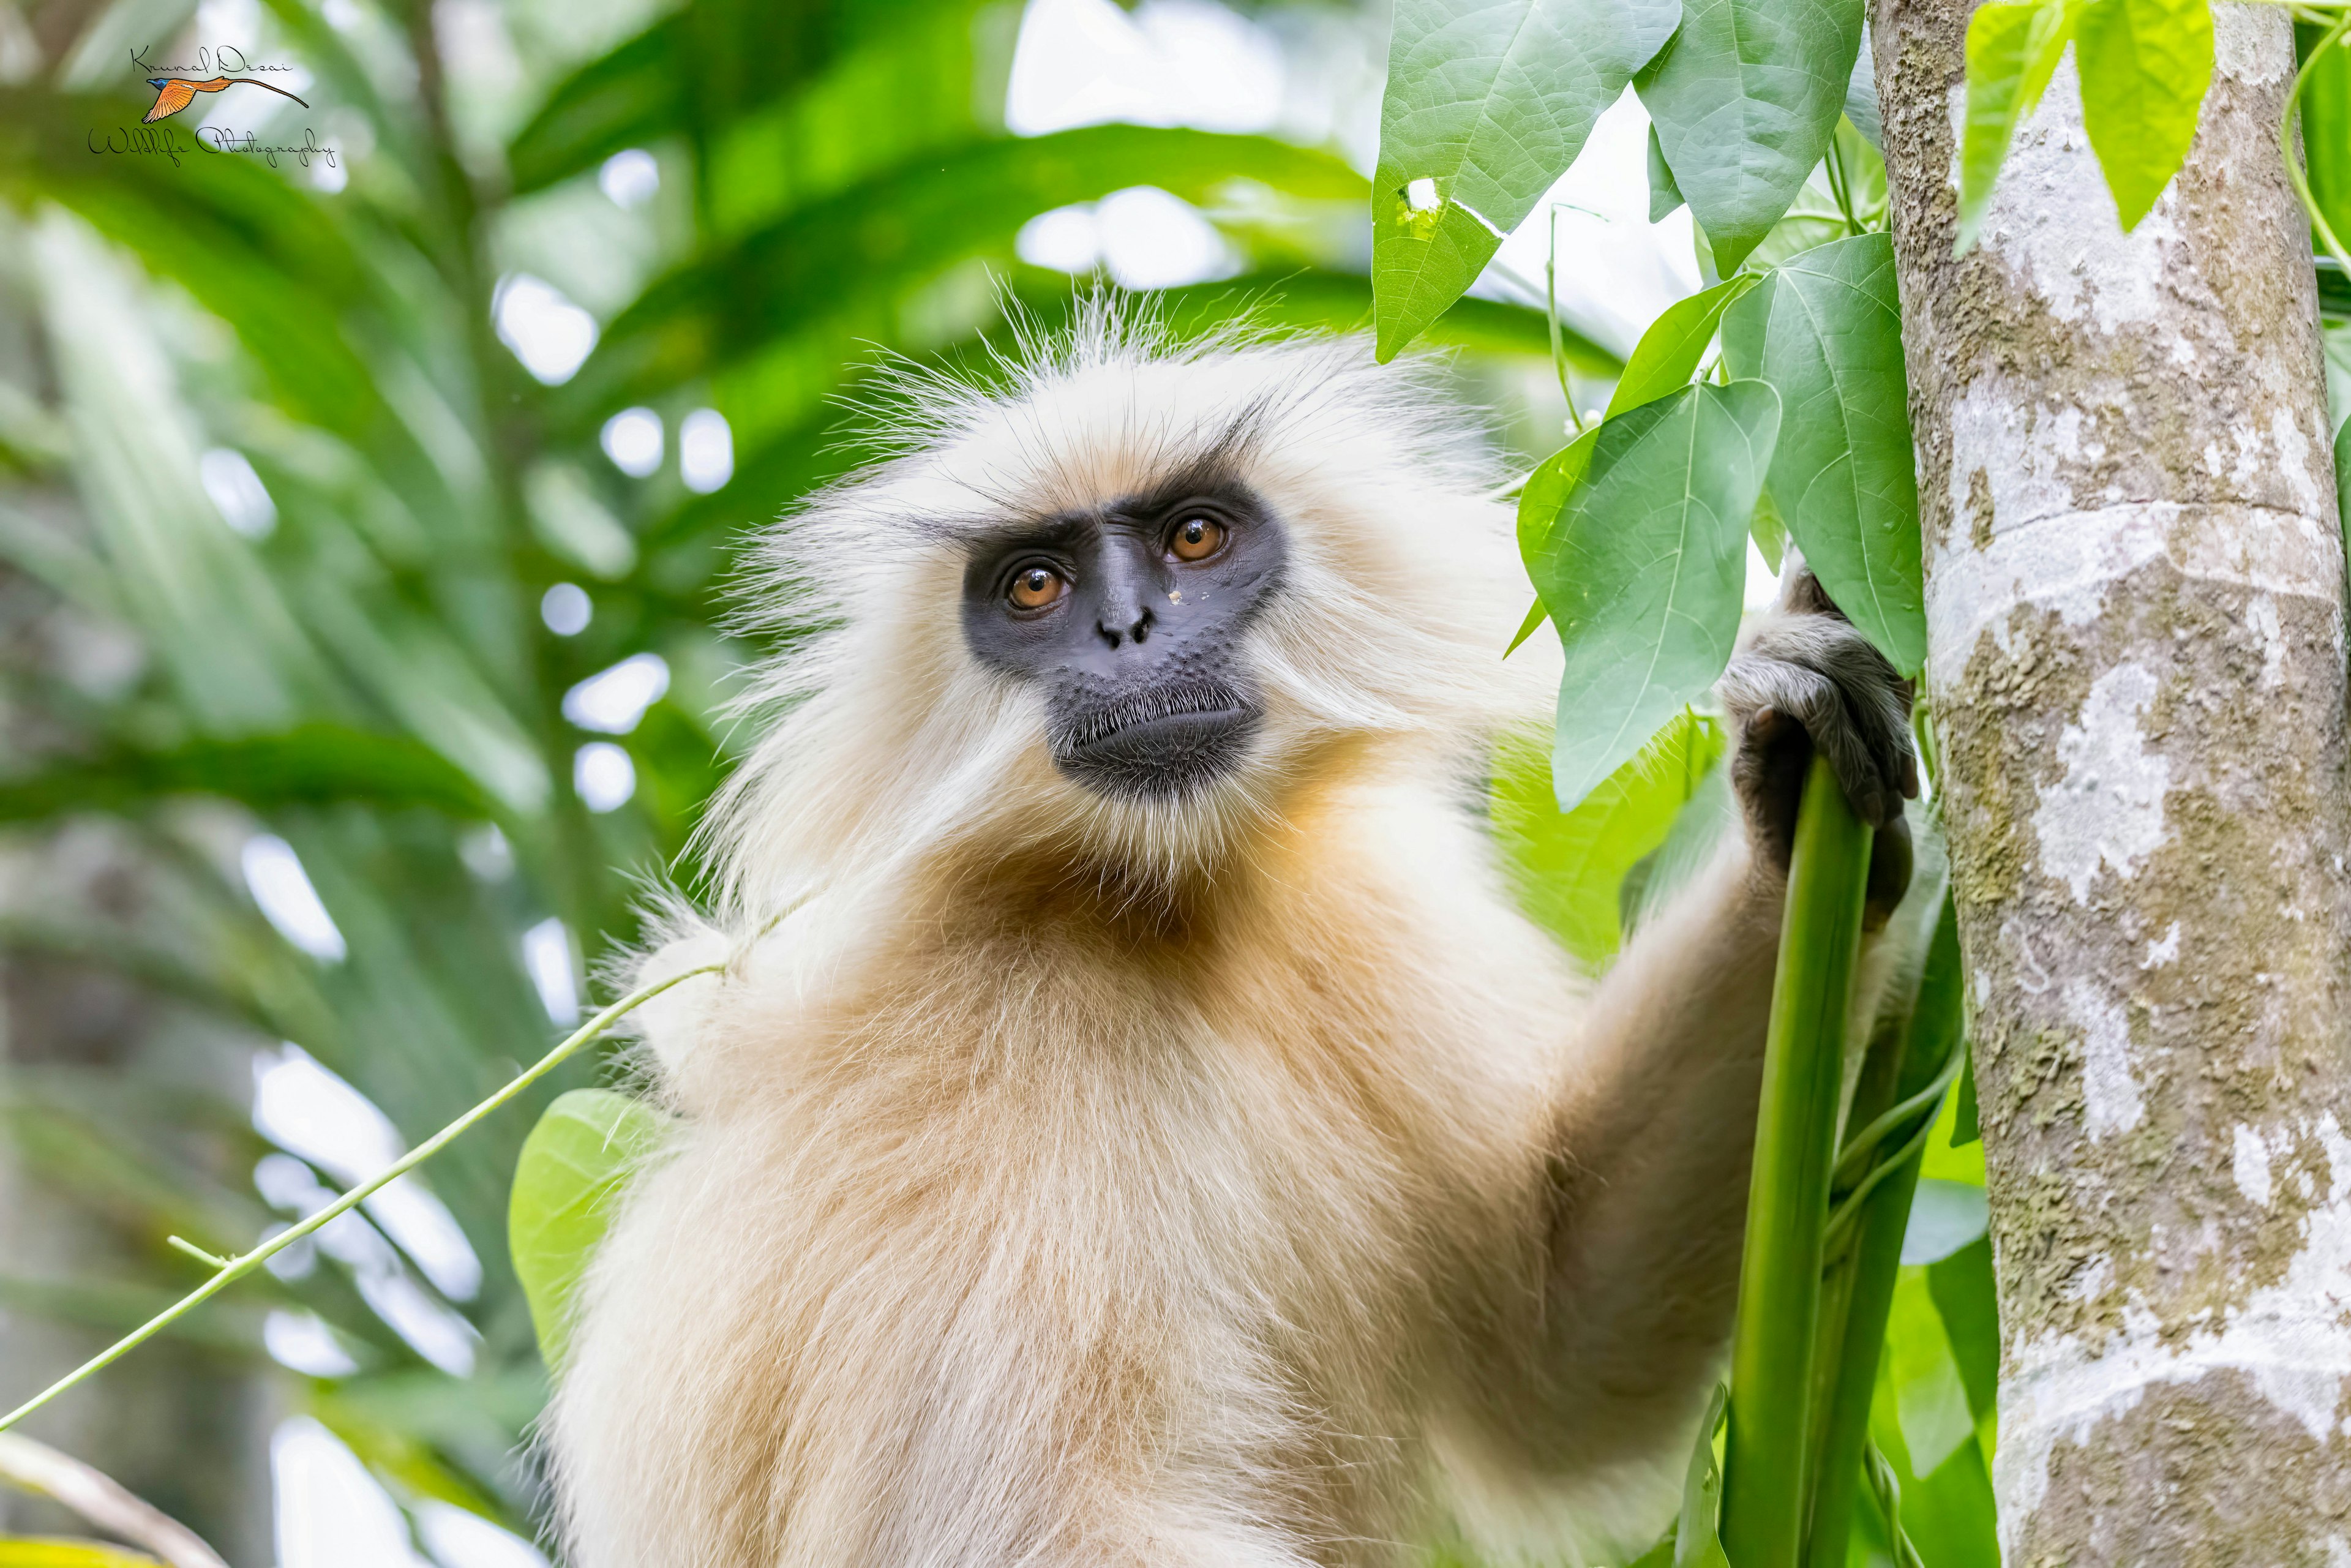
column 2332, row 38
column 1550, row 314
column 228, row 1270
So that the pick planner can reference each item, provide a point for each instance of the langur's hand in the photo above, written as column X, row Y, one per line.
column 1805, row 678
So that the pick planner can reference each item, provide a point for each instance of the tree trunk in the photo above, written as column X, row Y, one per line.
column 2135, row 600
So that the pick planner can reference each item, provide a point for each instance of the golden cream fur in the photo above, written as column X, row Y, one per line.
column 1241, row 1181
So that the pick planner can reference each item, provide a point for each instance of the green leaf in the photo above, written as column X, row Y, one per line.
column 1949, row 1156
column 1546, row 491
column 1769, row 529
column 1945, row 1216
column 1826, row 330
column 1744, row 101
column 1536, row 615
column 1540, row 500
column 1666, row 358
column 2144, row 65
column 1930, row 1397
column 1661, row 1555
column 1939, row 1017
column 1696, row 1543
column 869, row 244
column 1968, row 1303
column 1664, row 197
column 311, row 765
column 1861, row 109
column 2343, row 484
column 1947, row 1512
column 634, row 95
column 2327, row 127
column 1647, row 570
column 2012, row 50
column 700, row 69
column 1489, row 102
column 1967, row 1124
column 1706, row 821
column 1566, row 867
column 573, row 1169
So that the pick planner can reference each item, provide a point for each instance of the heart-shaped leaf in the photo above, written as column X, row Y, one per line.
column 1647, row 568
column 573, row 1169
column 2145, row 66
column 1744, row 101
column 1824, row 328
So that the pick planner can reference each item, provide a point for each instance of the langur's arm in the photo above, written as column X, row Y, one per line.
column 1657, row 1117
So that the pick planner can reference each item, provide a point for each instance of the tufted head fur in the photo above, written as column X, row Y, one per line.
column 891, row 742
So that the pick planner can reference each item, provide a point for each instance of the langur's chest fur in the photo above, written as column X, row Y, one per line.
column 1325, row 1077
column 1024, row 1203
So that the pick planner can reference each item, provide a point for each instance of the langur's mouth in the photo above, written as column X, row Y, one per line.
column 1163, row 742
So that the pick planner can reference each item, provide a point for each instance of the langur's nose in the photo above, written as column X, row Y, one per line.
column 1123, row 620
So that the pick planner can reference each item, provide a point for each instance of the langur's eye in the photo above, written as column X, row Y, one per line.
column 1035, row 587
column 1196, row 538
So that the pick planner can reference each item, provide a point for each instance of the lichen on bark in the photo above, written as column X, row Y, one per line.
column 2134, row 608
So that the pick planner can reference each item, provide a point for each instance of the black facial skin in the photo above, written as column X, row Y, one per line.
column 1136, row 649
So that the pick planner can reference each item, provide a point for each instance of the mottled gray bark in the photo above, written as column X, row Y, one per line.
column 2135, row 600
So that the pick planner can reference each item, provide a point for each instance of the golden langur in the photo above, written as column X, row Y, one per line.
column 1155, row 1136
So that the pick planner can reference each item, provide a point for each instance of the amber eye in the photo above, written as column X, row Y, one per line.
column 1036, row 587
column 1196, row 538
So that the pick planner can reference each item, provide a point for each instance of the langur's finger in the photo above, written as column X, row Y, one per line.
column 1883, row 726
column 1818, row 704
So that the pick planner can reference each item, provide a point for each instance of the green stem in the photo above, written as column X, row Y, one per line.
column 1860, row 1150
column 235, row 1268
column 1838, row 189
column 1845, row 1298
column 1842, row 1217
column 1765, row 1484
column 2293, row 169
column 1925, row 1045
column 1868, row 1290
column 1550, row 314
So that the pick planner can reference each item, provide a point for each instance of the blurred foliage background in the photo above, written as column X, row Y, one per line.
column 367, row 490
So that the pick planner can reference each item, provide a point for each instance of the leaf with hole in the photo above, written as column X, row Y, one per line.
column 1488, row 103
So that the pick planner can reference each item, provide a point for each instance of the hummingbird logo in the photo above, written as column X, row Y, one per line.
column 174, row 94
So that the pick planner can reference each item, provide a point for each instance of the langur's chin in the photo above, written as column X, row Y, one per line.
column 1176, row 747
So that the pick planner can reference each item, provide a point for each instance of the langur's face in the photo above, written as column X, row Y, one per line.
column 1128, row 619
